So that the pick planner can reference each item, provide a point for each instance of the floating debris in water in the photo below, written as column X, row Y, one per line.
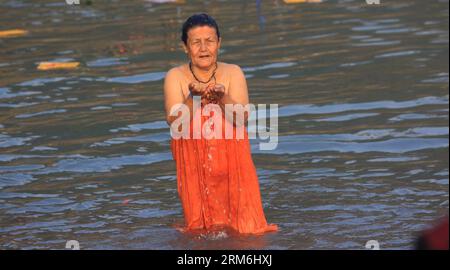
column 13, row 33
column 57, row 65
column 126, row 201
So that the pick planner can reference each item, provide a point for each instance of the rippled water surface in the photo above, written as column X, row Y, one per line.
column 363, row 104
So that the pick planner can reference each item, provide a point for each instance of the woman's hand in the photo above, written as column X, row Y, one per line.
column 196, row 89
column 214, row 93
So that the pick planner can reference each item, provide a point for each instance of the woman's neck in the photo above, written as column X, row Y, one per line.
column 204, row 74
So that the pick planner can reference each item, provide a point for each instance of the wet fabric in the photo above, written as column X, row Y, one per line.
column 217, row 181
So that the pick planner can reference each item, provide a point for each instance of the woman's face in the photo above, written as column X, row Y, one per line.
column 202, row 46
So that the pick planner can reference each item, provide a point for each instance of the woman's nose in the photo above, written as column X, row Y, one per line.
column 203, row 47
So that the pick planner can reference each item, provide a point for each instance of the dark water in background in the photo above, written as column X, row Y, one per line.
column 363, row 146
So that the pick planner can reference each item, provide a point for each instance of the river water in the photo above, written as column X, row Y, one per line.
column 363, row 96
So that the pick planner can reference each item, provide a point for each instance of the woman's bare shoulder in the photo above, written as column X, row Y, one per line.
column 175, row 72
column 232, row 69
column 228, row 66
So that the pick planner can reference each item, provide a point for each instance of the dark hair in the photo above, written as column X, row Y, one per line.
column 195, row 20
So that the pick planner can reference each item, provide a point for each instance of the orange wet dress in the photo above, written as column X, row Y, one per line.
column 217, row 183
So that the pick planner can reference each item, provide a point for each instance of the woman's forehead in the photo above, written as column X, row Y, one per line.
column 202, row 32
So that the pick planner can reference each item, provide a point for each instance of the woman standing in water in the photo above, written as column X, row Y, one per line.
column 217, row 181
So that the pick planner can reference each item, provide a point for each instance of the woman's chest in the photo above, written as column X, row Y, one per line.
column 223, row 80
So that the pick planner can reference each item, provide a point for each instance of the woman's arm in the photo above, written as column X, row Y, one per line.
column 237, row 95
column 237, row 91
column 174, row 97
